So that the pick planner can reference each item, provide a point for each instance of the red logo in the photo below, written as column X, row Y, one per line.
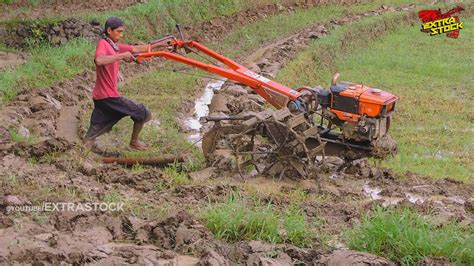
column 437, row 23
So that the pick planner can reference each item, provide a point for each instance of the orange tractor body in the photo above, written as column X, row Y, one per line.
column 361, row 113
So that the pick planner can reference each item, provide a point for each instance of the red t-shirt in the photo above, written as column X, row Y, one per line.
column 107, row 75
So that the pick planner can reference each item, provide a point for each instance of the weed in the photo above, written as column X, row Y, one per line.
column 237, row 219
column 405, row 237
column 113, row 197
column 177, row 177
column 234, row 221
column 48, row 158
column 158, row 16
column 298, row 195
column 12, row 179
column 138, row 168
column 159, row 186
column 33, row 161
column 195, row 162
column 297, row 229
column 17, row 137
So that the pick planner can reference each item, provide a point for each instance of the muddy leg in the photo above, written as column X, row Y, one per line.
column 135, row 143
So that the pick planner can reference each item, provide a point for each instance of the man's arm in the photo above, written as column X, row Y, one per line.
column 107, row 59
column 144, row 48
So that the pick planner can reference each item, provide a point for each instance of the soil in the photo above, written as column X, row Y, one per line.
column 56, row 168
column 9, row 60
column 48, row 8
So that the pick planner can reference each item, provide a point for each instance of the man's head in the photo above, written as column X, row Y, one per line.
column 114, row 28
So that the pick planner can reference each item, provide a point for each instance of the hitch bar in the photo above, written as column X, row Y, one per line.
column 206, row 119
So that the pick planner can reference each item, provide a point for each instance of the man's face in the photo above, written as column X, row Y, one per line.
column 115, row 34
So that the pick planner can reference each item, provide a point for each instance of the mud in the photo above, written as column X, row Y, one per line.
column 53, row 168
column 344, row 257
column 71, row 239
column 47, row 8
column 25, row 34
column 68, row 116
column 10, row 60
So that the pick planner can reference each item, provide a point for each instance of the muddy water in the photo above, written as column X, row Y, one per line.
column 201, row 109
column 374, row 193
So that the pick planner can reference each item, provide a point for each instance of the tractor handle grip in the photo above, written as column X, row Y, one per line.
column 178, row 27
column 186, row 48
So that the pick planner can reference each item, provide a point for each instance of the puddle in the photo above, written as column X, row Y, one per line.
column 201, row 109
column 414, row 199
column 373, row 193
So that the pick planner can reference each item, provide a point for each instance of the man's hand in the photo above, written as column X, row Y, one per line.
column 127, row 57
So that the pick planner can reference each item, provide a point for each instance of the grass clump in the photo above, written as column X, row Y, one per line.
column 17, row 137
column 405, row 237
column 46, row 65
column 236, row 220
column 297, row 227
column 175, row 176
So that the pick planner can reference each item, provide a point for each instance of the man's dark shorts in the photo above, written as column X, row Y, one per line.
column 107, row 112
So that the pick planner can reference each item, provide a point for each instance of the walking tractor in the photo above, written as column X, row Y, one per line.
column 309, row 122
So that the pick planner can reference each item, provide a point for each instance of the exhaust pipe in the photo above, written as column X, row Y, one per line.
column 334, row 79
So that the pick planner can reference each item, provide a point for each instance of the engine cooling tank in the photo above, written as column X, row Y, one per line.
column 324, row 98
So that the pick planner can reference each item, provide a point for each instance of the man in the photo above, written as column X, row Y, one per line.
column 109, row 106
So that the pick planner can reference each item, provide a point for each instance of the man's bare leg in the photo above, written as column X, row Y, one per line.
column 135, row 143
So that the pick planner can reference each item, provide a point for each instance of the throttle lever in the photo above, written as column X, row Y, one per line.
column 186, row 48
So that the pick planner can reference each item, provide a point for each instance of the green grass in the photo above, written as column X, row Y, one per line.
column 46, row 64
column 433, row 126
column 298, row 230
column 236, row 220
column 16, row 137
column 405, row 237
column 175, row 176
